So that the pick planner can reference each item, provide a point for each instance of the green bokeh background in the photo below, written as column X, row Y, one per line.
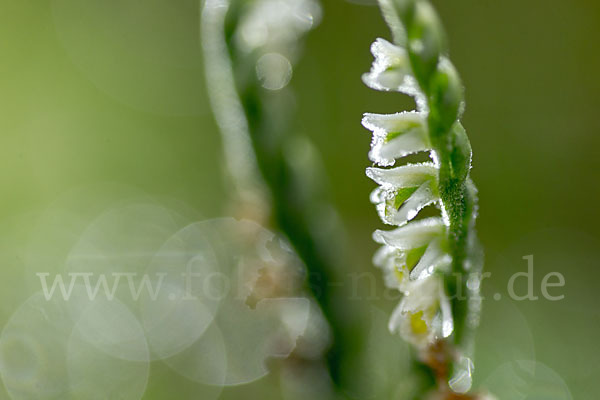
column 112, row 91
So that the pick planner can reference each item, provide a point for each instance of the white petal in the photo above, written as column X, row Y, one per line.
column 393, row 263
column 390, row 68
column 423, row 294
column 420, row 199
column 382, row 255
column 398, row 215
column 434, row 258
column 423, row 298
column 409, row 175
column 396, row 135
column 397, row 318
column 412, row 235
column 446, row 314
column 398, row 122
column 388, row 54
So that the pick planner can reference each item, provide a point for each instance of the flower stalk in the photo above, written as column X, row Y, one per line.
column 430, row 260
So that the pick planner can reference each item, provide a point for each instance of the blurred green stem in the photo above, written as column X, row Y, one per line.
column 256, row 135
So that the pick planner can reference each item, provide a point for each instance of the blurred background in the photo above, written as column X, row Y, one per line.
column 104, row 101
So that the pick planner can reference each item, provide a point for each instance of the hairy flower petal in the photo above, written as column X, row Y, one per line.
column 412, row 235
column 396, row 135
column 405, row 176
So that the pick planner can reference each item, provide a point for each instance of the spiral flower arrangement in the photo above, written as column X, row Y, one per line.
column 435, row 261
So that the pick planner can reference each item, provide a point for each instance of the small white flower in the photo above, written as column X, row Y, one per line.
column 424, row 314
column 390, row 68
column 396, row 135
column 401, row 266
column 397, row 206
column 405, row 176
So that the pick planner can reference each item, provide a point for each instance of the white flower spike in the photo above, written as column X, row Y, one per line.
column 422, row 256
